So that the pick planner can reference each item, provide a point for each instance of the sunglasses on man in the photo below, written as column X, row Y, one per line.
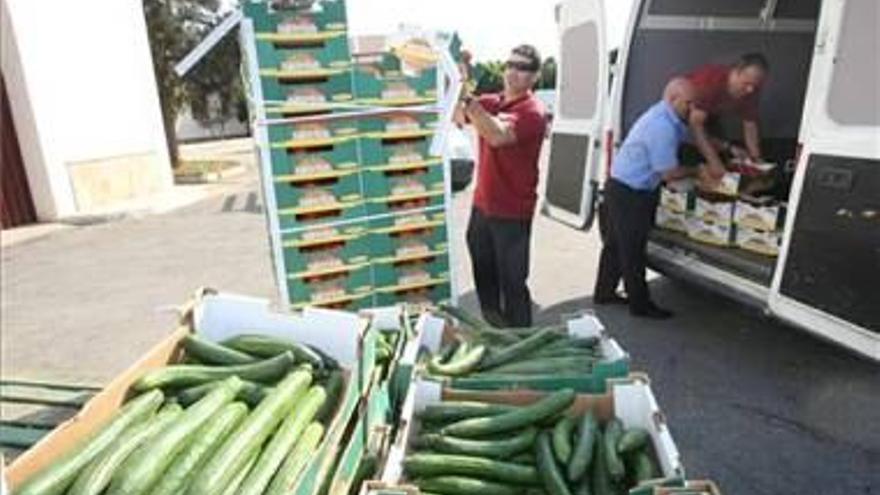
column 520, row 66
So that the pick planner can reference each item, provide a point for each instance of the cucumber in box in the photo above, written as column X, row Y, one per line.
column 576, row 354
column 626, row 410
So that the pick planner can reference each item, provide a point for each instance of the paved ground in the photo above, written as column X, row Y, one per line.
column 759, row 407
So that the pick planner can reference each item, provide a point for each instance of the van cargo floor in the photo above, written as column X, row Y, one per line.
column 753, row 266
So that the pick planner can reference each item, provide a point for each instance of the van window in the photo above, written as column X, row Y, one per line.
column 797, row 9
column 854, row 98
column 579, row 71
column 707, row 8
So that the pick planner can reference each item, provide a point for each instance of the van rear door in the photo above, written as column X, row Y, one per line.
column 829, row 267
column 575, row 137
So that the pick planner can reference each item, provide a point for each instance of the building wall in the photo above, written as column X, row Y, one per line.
column 85, row 103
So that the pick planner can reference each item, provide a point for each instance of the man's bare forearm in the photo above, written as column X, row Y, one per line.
column 702, row 140
column 752, row 139
column 488, row 127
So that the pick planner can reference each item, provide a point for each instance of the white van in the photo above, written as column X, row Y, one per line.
column 820, row 113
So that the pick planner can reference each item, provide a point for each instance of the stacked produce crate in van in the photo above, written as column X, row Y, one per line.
column 359, row 201
column 729, row 215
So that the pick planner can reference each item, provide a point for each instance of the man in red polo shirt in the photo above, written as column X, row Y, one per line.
column 511, row 127
column 721, row 89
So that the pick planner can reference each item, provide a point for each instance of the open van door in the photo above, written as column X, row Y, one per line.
column 575, row 137
column 827, row 275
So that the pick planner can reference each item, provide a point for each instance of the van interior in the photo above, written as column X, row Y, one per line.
column 673, row 37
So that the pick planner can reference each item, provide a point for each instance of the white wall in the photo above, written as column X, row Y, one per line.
column 81, row 88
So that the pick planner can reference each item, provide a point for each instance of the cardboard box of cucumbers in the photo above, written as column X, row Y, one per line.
column 237, row 400
column 514, row 442
column 472, row 355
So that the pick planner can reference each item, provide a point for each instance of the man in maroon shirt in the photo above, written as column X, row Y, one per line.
column 511, row 128
column 721, row 89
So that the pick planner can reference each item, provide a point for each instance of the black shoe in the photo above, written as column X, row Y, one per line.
column 652, row 312
column 612, row 299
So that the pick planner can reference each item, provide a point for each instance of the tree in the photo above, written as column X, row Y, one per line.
column 548, row 74
column 175, row 27
column 214, row 88
column 489, row 77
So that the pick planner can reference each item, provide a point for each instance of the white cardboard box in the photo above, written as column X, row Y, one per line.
column 758, row 241
column 430, row 330
column 758, row 217
column 630, row 399
column 718, row 212
column 671, row 220
column 678, row 200
column 729, row 185
column 709, row 233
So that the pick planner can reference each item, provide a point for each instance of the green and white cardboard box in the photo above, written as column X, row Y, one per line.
column 343, row 336
column 629, row 399
column 432, row 331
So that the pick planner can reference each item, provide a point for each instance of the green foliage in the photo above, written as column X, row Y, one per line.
column 175, row 27
column 548, row 74
column 489, row 76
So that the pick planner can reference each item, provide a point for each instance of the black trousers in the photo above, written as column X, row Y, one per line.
column 499, row 251
column 628, row 217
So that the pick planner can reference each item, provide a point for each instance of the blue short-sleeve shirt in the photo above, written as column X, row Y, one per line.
column 650, row 149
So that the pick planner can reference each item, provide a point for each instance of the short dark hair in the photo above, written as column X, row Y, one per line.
column 529, row 52
column 753, row 59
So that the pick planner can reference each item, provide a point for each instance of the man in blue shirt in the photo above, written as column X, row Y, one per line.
column 649, row 155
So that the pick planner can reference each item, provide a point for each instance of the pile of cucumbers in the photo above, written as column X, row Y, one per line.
column 241, row 417
column 476, row 448
column 482, row 351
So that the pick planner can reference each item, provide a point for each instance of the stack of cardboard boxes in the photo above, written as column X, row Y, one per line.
column 358, row 199
column 723, row 217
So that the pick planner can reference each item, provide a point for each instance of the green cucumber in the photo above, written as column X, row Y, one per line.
column 462, row 365
column 282, row 442
column 289, row 474
column 57, row 476
column 208, row 438
column 549, row 406
column 584, row 354
column 448, row 412
column 601, row 479
column 492, row 449
column 236, row 482
column 460, row 485
column 517, row 350
column 643, row 466
column 209, row 352
column 95, row 478
column 464, row 317
column 216, row 474
column 333, row 387
column 584, row 487
column 143, row 468
column 265, row 346
column 582, row 455
column 562, row 432
column 428, row 465
column 633, row 439
column 544, row 366
column 250, row 393
column 613, row 433
column 527, row 458
column 554, row 482
column 460, row 351
column 187, row 375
